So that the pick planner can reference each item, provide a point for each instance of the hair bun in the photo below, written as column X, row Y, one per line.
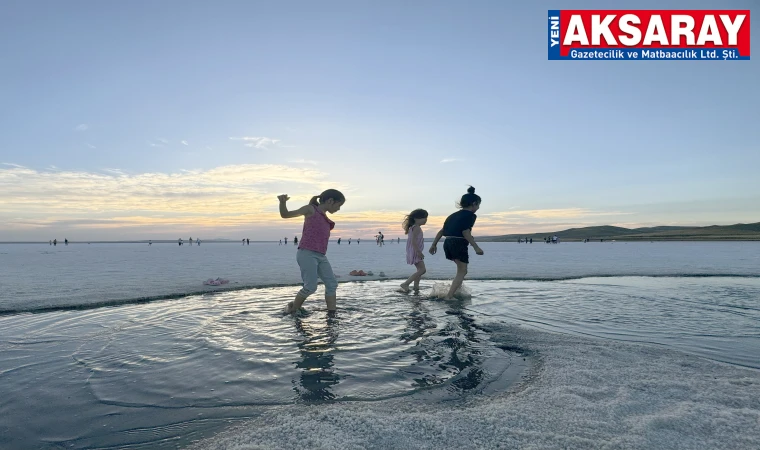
column 470, row 190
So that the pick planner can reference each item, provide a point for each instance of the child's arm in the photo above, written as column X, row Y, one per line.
column 302, row 211
column 468, row 235
column 438, row 237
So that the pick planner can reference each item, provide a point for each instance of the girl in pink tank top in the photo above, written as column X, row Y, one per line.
column 414, row 245
column 312, row 247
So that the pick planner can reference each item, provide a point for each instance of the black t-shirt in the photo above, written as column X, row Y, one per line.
column 458, row 222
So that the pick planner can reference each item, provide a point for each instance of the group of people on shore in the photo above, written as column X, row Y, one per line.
column 312, row 259
column 55, row 242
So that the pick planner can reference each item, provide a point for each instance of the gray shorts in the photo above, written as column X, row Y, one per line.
column 313, row 265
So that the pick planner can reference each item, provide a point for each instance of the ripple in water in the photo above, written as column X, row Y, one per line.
column 236, row 348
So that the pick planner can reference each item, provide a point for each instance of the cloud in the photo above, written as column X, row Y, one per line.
column 153, row 144
column 262, row 143
column 184, row 143
column 90, row 145
column 82, row 127
column 559, row 213
column 225, row 196
column 448, row 160
column 162, row 140
column 303, row 161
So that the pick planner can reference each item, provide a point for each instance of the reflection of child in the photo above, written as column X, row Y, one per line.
column 414, row 247
column 313, row 246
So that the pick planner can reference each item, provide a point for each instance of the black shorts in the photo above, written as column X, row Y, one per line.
column 456, row 248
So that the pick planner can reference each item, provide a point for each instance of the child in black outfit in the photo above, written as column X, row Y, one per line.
column 458, row 231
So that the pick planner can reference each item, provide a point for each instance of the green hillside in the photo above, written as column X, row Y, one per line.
column 663, row 233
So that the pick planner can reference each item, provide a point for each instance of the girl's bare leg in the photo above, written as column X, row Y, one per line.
column 415, row 278
column 332, row 302
column 295, row 305
column 418, row 276
column 458, row 279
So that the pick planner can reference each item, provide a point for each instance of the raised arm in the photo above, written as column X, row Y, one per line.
column 306, row 210
column 433, row 247
column 468, row 235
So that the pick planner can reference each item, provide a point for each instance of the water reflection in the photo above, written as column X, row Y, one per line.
column 452, row 354
column 466, row 353
column 418, row 321
column 318, row 374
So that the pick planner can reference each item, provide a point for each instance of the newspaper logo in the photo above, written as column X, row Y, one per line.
column 716, row 35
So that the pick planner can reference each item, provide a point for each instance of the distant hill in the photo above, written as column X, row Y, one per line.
column 738, row 232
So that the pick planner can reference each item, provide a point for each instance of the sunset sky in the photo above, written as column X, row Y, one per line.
column 159, row 120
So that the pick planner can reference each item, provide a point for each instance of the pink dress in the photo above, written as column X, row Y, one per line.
column 316, row 232
column 414, row 243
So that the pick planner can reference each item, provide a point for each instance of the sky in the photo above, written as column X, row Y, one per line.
column 159, row 120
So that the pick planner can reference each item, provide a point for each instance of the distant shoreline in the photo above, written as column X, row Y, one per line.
column 203, row 241
column 477, row 238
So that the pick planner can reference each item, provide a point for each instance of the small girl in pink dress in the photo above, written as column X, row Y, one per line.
column 414, row 246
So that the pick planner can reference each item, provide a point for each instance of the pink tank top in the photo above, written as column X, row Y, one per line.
column 316, row 232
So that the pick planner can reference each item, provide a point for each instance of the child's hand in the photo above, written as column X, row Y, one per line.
column 433, row 249
column 283, row 198
column 478, row 250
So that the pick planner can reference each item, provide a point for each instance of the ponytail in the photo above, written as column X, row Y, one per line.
column 315, row 200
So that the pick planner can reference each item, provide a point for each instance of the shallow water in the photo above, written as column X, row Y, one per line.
column 217, row 357
column 166, row 372
column 37, row 276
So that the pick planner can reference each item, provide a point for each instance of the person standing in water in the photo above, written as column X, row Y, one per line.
column 311, row 255
column 415, row 246
column 458, row 231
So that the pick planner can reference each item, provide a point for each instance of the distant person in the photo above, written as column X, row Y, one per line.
column 458, row 231
column 179, row 241
column 55, row 241
column 198, row 241
column 531, row 240
column 415, row 244
column 311, row 255
column 286, row 241
column 65, row 242
column 191, row 240
column 280, row 241
column 295, row 240
column 50, row 242
column 349, row 241
column 247, row 241
column 398, row 240
column 358, row 240
column 338, row 241
column 150, row 243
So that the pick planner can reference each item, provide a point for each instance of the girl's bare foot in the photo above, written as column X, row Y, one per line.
column 404, row 289
column 289, row 308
